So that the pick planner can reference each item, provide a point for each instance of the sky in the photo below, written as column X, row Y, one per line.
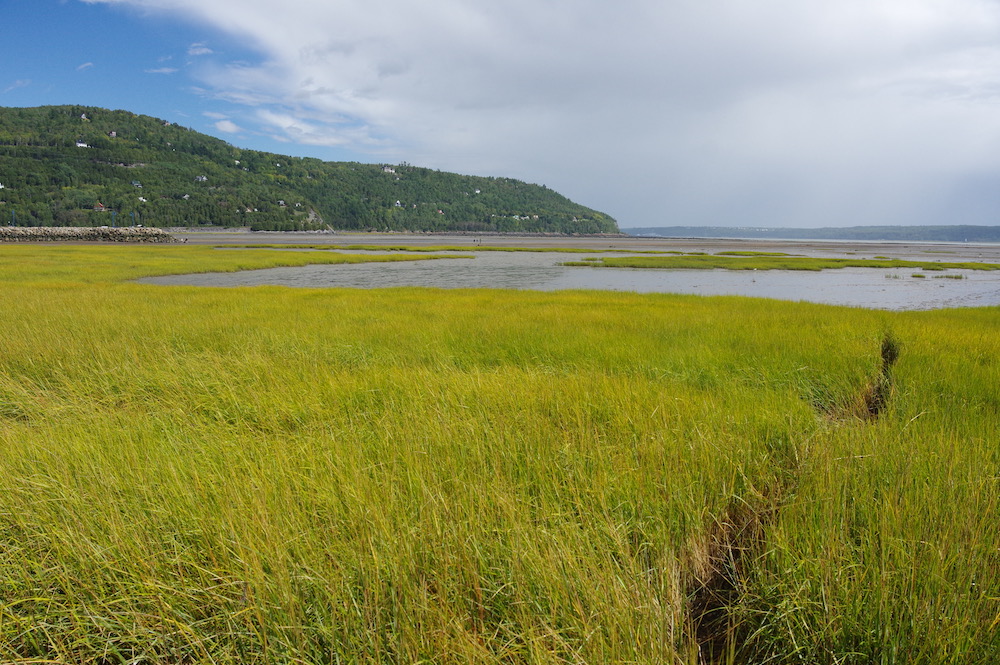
column 773, row 113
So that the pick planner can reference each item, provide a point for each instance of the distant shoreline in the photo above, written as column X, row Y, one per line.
column 951, row 234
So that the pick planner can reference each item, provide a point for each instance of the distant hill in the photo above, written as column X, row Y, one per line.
column 888, row 233
column 86, row 166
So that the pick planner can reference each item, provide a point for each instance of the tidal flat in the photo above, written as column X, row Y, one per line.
column 869, row 275
column 267, row 474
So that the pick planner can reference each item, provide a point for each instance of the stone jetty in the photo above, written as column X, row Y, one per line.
column 84, row 234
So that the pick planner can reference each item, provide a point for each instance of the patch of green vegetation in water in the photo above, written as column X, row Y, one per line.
column 775, row 263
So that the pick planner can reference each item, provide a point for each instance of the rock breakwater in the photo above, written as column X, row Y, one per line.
column 84, row 234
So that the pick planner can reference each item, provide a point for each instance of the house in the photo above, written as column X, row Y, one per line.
column 100, row 207
column 201, row 178
column 388, row 169
column 82, row 144
column 113, row 135
column 137, row 184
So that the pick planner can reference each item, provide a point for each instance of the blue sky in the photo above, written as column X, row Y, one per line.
column 717, row 112
column 119, row 57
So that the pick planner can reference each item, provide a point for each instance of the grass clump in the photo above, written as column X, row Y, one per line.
column 750, row 253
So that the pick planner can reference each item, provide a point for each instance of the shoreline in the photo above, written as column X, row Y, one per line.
column 76, row 234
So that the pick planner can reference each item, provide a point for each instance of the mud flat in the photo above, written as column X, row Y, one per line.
column 987, row 252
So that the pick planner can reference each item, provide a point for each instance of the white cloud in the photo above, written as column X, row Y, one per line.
column 782, row 112
column 161, row 70
column 85, row 66
column 228, row 127
column 20, row 83
column 294, row 128
column 199, row 48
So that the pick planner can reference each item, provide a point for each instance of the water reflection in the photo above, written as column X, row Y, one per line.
column 895, row 289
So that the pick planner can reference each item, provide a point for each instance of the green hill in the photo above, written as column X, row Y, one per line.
column 86, row 166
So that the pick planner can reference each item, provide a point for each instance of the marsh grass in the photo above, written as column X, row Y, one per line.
column 413, row 475
column 22, row 263
column 884, row 551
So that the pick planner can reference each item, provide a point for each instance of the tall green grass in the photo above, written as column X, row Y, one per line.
column 22, row 263
column 412, row 475
column 887, row 552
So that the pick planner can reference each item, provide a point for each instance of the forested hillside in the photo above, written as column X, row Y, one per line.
column 86, row 166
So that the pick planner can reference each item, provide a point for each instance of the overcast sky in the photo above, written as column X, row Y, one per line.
column 658, row 112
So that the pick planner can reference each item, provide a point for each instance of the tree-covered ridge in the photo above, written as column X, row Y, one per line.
column 82, row 166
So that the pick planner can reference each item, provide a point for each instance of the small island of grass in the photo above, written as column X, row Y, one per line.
column 770, row 261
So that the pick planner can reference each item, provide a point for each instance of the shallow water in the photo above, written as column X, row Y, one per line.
column 894, row 289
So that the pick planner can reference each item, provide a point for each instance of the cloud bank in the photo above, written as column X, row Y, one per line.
column 718, row 112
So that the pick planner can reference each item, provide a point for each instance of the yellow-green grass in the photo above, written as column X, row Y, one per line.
column 888, row 550
column 86, row 264
column 416, row 475
column 770, row 262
